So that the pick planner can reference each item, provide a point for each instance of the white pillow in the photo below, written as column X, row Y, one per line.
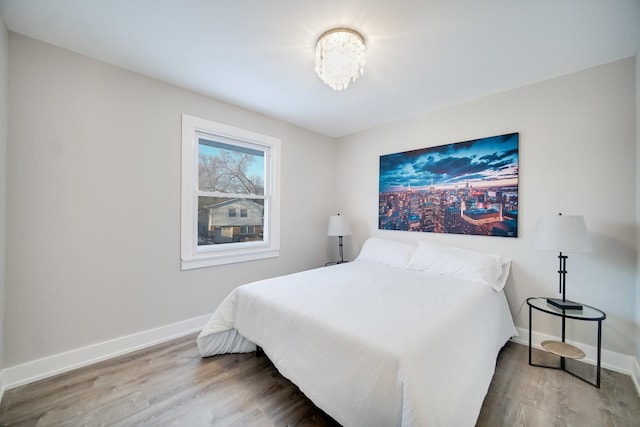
column 386, row 252
column 459, row 263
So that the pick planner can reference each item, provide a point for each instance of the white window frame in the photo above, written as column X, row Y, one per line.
column 191, row 255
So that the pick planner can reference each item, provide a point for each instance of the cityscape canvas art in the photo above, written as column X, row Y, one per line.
column 468, row 187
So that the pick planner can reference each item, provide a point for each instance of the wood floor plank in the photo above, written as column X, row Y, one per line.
column 170, row 384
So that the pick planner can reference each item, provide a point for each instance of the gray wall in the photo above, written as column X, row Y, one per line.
column 4, row 53
column 93, row 203
column 638, row 209
column 577, row 156
column 93, row 197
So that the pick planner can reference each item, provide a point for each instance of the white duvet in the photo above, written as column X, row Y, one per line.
column 372, row 345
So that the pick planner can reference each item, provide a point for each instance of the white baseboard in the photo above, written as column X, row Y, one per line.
column 25, row 373
column 635, row 375
column 1, row 385
column 618, row 362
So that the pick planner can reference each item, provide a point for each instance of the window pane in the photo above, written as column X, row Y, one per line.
column 227, row 168
column 230, row 202
column 217, row 226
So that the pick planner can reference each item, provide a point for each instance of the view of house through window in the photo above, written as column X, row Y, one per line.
column 231, row 192
column 230, row 202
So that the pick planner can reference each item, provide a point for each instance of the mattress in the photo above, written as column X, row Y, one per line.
column 372, row 344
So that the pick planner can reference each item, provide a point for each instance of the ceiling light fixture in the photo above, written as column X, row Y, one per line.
column 340, row 57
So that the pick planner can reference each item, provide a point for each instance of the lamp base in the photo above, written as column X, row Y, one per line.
column 564, row 305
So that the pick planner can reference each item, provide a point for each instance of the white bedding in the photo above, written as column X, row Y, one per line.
column 372, row 345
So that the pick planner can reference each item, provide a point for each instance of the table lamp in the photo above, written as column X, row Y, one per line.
column 339, row 226
column 563, row 233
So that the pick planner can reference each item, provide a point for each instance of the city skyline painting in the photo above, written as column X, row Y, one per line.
column 468, row 187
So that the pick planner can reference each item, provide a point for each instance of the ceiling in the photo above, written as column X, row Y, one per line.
column 259, row 54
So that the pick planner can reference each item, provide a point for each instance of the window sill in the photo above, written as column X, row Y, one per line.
column 211, row 260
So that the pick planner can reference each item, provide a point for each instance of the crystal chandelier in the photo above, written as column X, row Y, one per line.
column 340, row 57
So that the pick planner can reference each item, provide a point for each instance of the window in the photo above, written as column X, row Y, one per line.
column 230, row 203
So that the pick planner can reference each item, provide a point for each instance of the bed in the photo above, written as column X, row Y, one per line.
column 405, row 335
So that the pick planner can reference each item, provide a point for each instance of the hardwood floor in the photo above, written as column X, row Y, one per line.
column 170, row 384
column 523, row 395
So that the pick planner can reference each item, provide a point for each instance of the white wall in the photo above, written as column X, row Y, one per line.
column 577, row 156
column 93, row 204
column 4, row 52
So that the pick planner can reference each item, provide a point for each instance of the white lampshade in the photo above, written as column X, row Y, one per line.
column 338, row 226
column 563, row 233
